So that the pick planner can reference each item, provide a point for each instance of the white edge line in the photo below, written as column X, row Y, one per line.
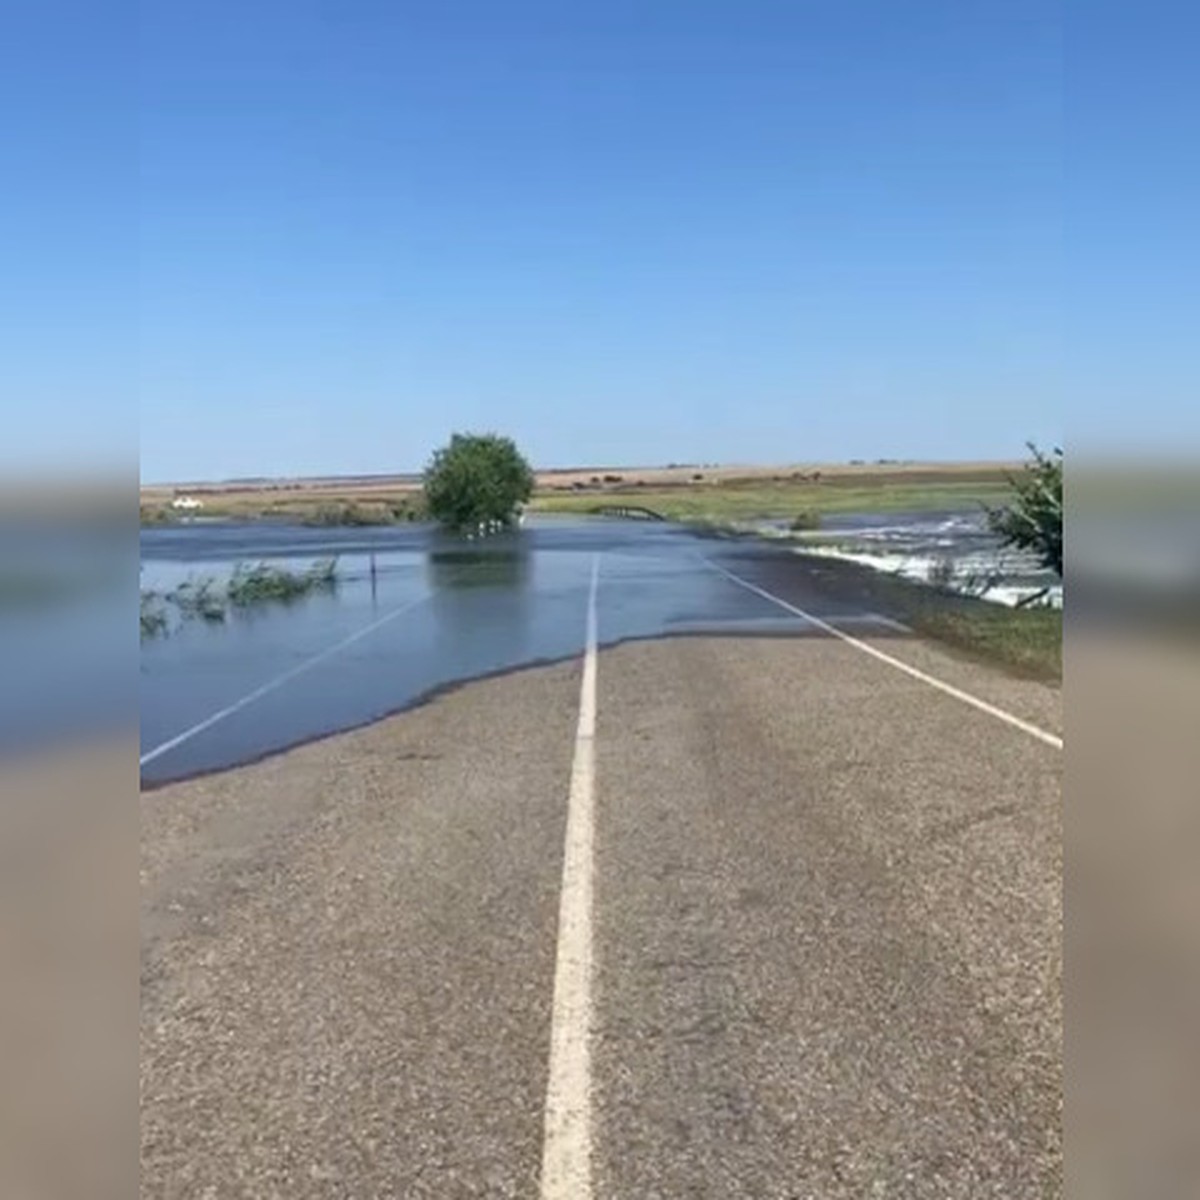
column 566, row 1148
column 272, row 684
column 880, row 619
column 1000, row 714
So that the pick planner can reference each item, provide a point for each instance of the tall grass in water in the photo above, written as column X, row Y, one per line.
column 208, row 600
column 153, row 615
column 264, row 583
column 202, row 598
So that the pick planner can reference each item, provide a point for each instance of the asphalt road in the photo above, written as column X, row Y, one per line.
column 809, row 947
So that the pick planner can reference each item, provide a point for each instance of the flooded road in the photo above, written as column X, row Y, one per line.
column 413, row 612
column 954, row 549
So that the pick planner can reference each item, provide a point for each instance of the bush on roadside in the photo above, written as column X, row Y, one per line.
column 1033, row 518
column 805, row 520
column 406, row 510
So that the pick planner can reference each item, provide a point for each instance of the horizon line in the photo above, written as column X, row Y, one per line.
column 413, row 476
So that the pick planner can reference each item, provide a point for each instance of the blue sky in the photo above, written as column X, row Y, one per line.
column 631, row 233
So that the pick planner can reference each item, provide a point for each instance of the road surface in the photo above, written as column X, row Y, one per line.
column 708, row 916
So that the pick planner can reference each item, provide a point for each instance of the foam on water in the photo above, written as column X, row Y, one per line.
column 950, row 550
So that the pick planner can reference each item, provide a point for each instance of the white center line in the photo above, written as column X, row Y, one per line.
column 567, row 1146
column 271, row 685
column 1001, row 714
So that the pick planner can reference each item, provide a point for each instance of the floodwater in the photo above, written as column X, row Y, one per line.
column 954, row 549
column 415, row 611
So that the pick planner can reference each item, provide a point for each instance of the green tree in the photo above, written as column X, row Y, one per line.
column 475, row 480
column 1033, row 518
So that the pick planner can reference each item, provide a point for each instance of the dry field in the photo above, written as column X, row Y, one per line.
column 859, row 472
column 288, row 495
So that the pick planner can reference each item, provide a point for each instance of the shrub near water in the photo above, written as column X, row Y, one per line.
column 806, row 520
column 1032, row 520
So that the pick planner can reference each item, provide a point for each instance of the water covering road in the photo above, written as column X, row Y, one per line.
column 432, row 613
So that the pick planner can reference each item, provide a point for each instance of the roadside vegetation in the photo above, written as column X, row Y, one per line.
column 1026, row 640
column 800, row 499
column 804, row 521
column 1032, row 519
column 210, row 600
column 157, row 514
column 477, row 483
column 344, row 513
column 314, row 511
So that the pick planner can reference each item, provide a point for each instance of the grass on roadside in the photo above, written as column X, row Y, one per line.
column 805, row 521
column 792, row 500
column 355, row 513
column 324, row 511
column 1026, row 640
